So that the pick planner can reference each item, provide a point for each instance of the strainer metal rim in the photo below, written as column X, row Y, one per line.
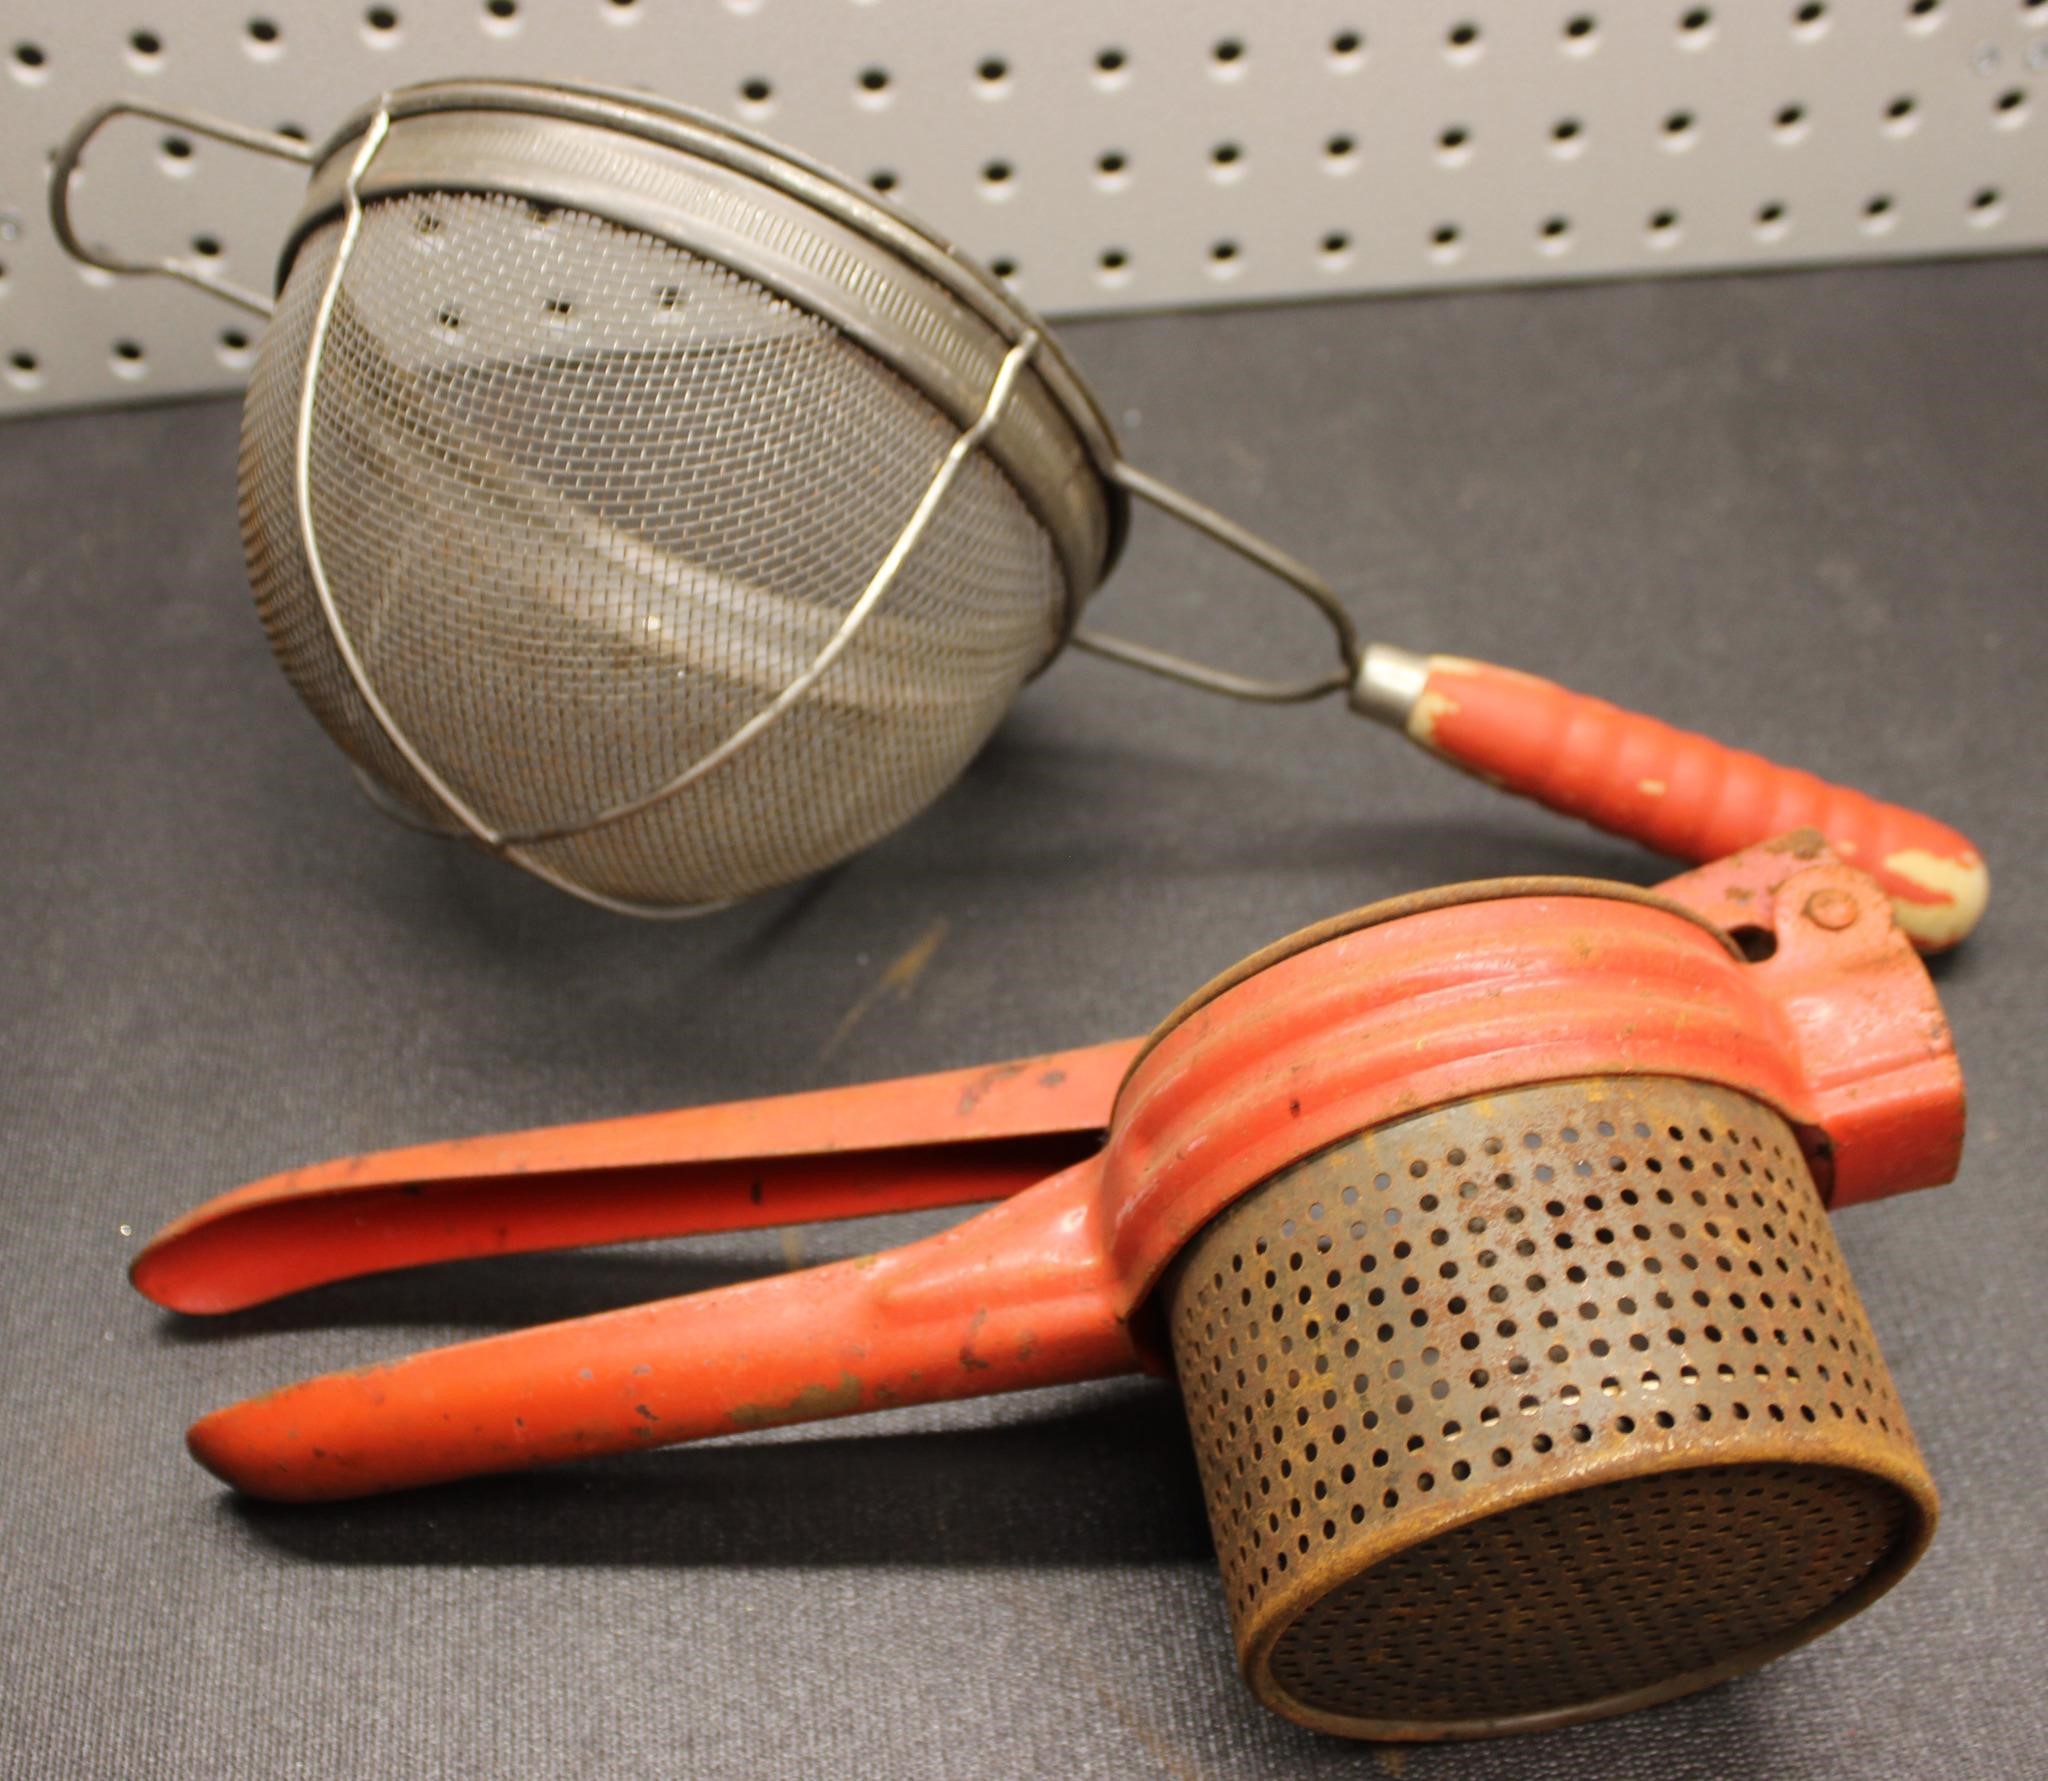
column 897, row 243
column 1615, row 1468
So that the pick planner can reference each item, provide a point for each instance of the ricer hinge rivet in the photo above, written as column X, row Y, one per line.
column 1831, row 908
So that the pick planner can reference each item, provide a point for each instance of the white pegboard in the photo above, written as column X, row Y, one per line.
column 1103, row 156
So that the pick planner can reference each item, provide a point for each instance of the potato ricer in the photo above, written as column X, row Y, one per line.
column 674, row 517
column 1485, row 1231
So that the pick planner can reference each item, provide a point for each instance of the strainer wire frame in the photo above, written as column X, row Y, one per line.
column 1357, row 675
column 514, row 845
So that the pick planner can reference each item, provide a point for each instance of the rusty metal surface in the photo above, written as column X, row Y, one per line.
column 1538, row 1407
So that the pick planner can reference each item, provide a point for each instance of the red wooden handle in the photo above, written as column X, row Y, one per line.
column 1684, row 794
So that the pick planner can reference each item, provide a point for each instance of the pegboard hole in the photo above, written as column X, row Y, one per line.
column 1113, row 266
column 1810, row 21
column 2010, row 107
column 1446, row 243
column 207, row 247
column 1923, row 15
column 882, row 180
column 1341, row 152
column 1987, row 205
column 30, row 64
column 1790, row 125
column 1003, row 267
column 1664, row 229
column 1112, row 67
column 1224, row 257
column 993, row 74
column 1454, row 145
column 24, row 370
column 1681, row 130
column 1227, row 58
column 1902, row 116
column 176, row 155
column 263, row 39
column 501, row 17
column 380, row 27
column 1554, row 234
column 1696, row 27
column 756, row 93
column 129, row 360
column 1771, row 225
column 1567, row 137
column 997, row 179
column 1581, row 33
column 1880, row 213
column 1113, row 169
column 236, row 349
column 1347, row 49
column 145, row 51
column 1335, row 248
column 872, row 86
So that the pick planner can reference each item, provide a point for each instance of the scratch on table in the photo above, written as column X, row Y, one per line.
column 898, row 981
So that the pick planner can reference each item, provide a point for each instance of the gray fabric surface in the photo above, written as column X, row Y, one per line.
column 1804, row 512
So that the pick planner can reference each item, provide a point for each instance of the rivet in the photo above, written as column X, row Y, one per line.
column 1832, row 908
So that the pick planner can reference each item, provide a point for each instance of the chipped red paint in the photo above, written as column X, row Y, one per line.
column 1415, row 1004
column 956, row 1138
column 1685, row 794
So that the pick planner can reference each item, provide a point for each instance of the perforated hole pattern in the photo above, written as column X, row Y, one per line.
column 1343, row 145
column 587, row 503
column 1537, row 1404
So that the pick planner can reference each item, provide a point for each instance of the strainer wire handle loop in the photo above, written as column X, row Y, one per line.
column 1260, row 553
column 509, row 844
column 64, row 172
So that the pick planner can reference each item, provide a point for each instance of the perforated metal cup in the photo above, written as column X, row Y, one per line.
column 1538, row 1408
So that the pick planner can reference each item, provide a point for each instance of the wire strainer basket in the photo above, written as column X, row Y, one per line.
column 675, row 519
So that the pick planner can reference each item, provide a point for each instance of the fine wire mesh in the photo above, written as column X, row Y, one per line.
column 587, row 503
column 1606, row 1329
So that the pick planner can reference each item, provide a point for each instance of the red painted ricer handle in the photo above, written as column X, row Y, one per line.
column 1681, row 793
column 943, row 1140
column 1017, row 1296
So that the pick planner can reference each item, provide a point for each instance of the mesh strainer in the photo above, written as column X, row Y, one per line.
column 675, row 519
column 1485, row 1231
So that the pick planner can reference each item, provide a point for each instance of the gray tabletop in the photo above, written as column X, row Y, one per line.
column 1803, row 512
